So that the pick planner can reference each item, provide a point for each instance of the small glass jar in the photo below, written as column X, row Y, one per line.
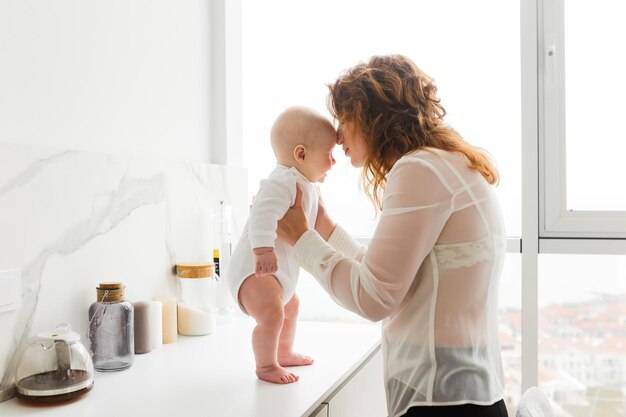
column 196, row 309
column 111, row 331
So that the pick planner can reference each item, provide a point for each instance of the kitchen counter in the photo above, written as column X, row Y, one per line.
column 214, row 376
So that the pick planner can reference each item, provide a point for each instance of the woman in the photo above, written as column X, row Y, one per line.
column 432, row 269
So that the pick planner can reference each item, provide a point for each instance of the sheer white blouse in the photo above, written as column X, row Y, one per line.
column 431, row 273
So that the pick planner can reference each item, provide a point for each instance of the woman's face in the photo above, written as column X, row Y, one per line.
column 352, row 142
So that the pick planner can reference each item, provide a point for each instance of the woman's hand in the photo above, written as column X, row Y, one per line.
column 293, row 224
column 324, row 225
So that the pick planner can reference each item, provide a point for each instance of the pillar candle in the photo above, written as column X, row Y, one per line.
column 169, row 318
column 155, row 309
column 143, row 344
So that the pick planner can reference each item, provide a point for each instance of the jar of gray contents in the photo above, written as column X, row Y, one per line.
column 111, row 329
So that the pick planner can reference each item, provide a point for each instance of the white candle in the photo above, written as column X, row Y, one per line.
column 169, row 318
column 194, row 321
column 143, row 344
column 155, row 313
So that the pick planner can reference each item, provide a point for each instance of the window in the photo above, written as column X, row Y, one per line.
column 581, row 299
column 292, row 50
column 582, row 86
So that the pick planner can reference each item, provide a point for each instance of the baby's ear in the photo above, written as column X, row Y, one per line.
column 299, row 153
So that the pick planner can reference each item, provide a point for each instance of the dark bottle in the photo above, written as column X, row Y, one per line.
column 216, row 261
column 111, row 329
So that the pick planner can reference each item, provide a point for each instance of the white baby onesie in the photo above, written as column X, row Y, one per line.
column 275, row 195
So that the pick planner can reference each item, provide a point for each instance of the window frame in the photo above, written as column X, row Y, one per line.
column 226, row 83
column 557, row 221
column 547, row 226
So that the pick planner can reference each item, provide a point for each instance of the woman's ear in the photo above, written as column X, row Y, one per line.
column 299, row 153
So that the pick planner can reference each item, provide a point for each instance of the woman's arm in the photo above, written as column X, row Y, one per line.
column 416, row 207
column 324, row 225
column 293, row 224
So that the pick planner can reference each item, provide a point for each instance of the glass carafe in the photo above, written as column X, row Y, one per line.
column 54, row 367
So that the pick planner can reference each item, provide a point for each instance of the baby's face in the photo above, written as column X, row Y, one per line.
column 319, row 158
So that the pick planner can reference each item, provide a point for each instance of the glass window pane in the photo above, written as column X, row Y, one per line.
column 582, row 333
column 291, row 50
column 511, row 329
column 595, row 64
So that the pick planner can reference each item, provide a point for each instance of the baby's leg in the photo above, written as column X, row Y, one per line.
column 286, row 355
column 261, row 296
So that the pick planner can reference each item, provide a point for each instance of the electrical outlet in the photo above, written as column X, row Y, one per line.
column 10, row 290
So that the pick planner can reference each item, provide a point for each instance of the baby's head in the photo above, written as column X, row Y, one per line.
column 304, row 139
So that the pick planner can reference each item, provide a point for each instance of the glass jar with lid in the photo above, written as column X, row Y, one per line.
column 196, row 309
column 111, row 328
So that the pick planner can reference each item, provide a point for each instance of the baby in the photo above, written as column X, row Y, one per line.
column 263, row 273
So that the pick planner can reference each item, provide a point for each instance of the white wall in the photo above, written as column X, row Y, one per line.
column 115, row 76
column 109, row 113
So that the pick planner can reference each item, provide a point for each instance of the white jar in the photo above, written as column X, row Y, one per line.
column 196, row 309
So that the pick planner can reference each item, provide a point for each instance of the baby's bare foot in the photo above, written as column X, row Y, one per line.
column 294, row 359
column 275, row 374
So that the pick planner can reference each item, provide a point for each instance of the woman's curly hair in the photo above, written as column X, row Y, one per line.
column 395, row 106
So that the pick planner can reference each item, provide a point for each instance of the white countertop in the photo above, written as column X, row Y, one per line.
column 214, row 376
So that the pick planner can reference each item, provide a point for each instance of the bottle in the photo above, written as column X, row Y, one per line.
column 111, row 331
column 225, row 305
column 196, row 315
column 216, row 262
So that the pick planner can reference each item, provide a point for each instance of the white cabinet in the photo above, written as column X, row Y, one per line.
column 363, row 394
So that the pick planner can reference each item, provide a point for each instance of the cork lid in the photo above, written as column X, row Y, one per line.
column 195, row 270
column 110, row 292
column 111, row 285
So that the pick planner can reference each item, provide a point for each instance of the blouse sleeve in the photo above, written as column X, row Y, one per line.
column 342, row 241
column 416, row 206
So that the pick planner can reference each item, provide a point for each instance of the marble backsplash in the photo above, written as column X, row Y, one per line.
column 72, row 219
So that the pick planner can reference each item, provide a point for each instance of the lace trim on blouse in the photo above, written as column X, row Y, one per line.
column 466, row 254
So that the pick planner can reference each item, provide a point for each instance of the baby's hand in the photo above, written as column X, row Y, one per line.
column 266, row 262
